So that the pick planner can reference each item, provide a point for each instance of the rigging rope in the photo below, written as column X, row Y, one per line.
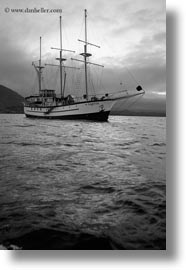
column 132, row 76
column 131, row 104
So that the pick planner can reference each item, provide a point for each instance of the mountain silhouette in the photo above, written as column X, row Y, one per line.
column 10, row 101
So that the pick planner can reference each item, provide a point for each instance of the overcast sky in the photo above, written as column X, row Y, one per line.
column 131, row 33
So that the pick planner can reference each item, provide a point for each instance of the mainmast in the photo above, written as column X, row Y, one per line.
column 85, row 54
column 61, row 59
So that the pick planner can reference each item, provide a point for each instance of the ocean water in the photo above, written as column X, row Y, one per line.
column 82, row 185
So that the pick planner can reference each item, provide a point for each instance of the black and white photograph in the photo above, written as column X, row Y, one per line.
column 83, row 125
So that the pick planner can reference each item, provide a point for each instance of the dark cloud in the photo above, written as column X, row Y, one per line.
column 15, row 67
column 134, row 32
column 151, row 78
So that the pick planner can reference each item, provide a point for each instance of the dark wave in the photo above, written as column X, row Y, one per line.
column 24, row 126
column 130, row 204
column 26, row 143
column 47, row 239
column 98, row 189
column 159, row 144
column 129, row 143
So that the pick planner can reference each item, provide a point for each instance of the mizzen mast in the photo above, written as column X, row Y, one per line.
column 39, row 69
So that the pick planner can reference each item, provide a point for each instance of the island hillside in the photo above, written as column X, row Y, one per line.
column 10, row 101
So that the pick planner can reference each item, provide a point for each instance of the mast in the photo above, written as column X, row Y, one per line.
column 60, row 59
column 39, row 69
column 65, row 74
column 85, row 56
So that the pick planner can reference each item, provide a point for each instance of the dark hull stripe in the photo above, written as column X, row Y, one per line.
column 100, row 116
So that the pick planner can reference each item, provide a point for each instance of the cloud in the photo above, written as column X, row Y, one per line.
column 160, row 37
column 131, row 35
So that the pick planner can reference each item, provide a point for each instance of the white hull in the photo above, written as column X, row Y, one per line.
column 94, row 110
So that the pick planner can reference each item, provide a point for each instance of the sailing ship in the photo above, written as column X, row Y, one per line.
column 90, row 107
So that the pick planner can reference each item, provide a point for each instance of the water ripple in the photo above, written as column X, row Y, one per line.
column 82, row 184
